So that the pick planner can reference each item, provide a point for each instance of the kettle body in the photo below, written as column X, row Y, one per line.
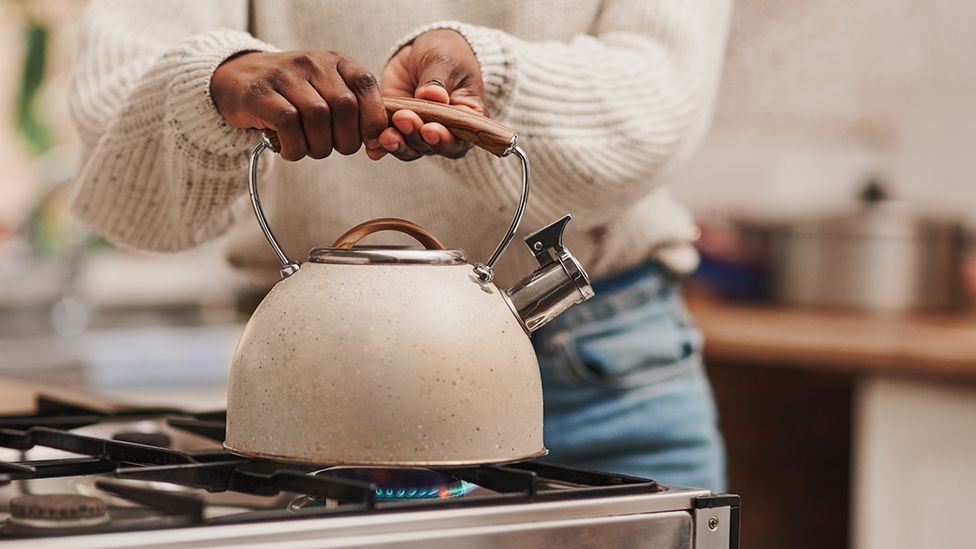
column 386, row 364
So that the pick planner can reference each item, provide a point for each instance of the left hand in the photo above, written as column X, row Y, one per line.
column 440, row 66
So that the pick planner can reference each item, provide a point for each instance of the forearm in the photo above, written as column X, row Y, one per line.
column 162, row 167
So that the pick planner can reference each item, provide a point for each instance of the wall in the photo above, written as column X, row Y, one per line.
column 817, row 95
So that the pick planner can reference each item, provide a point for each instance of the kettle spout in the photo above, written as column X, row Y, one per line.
column 559, row 283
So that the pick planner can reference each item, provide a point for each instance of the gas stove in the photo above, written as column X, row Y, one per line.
column 78, row 476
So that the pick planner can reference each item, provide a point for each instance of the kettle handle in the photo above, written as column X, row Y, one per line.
column 366, row 228
column 463, row 123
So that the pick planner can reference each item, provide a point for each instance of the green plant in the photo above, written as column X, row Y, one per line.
column 32, row 77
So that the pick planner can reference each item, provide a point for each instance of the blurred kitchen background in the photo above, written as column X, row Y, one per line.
column 835, row 194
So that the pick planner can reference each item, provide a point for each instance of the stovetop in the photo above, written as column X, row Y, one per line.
column 150, row 468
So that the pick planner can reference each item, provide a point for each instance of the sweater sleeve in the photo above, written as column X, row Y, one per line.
column 602, row 116
column 161, row 167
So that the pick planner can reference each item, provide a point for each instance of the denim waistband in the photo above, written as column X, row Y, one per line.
column 628, row 277
column 619, row 292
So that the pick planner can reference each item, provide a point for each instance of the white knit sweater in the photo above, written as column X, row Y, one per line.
column 607, row 96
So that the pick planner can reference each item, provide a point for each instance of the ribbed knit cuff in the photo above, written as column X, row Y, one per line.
column 192, row 112
column 493, row 54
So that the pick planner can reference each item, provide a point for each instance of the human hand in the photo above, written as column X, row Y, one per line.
column 440, row 66
column 316, row 101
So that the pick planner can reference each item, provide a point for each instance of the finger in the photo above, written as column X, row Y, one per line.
column 407, row 154
column 315, row 115
column 470, row 98
column 376, row 151
column 372, row 113
column 433, row 90
column 435, row 133
column 391, row 140
column 442, row 141
column 344, row 106
column 375, row 154
column 409, row 124
column 279, row 114
column 434, row 80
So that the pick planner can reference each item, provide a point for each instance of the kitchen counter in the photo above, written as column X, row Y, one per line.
column 859, row 411
column 932, row 345
column 19, row 397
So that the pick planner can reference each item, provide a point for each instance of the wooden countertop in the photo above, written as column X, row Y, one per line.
column 936, row 345
column 19, row 397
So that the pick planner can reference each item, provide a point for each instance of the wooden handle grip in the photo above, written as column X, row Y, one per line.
column 366, row 228
column 464, row 123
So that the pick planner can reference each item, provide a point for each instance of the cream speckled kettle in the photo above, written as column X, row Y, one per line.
column 394, row 356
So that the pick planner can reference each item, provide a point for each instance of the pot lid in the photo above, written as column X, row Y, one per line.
column 877, row 216
column 385, row 255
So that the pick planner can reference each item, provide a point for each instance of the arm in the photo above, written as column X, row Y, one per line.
column 602, row 116
column 162, row 167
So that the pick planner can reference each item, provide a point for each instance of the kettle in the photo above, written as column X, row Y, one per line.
column 395, row 356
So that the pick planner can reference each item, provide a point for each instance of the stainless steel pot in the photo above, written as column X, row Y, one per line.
column 882, row 257
column 392, row 356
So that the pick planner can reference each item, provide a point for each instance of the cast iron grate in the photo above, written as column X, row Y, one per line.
column 215, row 470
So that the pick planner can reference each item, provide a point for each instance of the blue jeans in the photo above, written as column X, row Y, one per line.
column 625, row 390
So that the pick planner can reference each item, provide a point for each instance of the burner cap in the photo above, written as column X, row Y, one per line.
column 157, row 438
column 56, row 509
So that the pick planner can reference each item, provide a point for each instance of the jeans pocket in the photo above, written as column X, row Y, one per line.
column 644, row 345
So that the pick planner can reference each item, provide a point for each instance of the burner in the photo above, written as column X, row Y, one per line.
column 404, row 483
column 157, row 438
column 46, row 512
column 393, row 484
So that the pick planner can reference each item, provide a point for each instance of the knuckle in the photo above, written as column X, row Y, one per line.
column 257, row 90
column 345, row 103
column 277, row 76
column 363, row 82
column 317, row 112
column 286, row 116
column 305, row 61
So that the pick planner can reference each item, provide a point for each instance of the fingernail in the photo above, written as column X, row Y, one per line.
column 372, row 143
column 404, row 126
column 390, row 147
column 432, row 139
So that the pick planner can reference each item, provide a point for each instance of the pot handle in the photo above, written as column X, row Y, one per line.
column 463, row 123
column 351, row 237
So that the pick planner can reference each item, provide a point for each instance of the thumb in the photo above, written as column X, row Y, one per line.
column 433, row 82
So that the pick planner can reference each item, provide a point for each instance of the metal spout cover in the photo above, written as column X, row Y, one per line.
column 559, row 283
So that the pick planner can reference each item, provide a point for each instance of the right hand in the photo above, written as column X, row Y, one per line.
column 316, row 101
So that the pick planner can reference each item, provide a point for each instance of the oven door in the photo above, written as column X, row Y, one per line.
column 669, row 530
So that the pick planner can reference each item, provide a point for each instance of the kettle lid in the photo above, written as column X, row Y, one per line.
column 385, row 255
column 346, row 251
